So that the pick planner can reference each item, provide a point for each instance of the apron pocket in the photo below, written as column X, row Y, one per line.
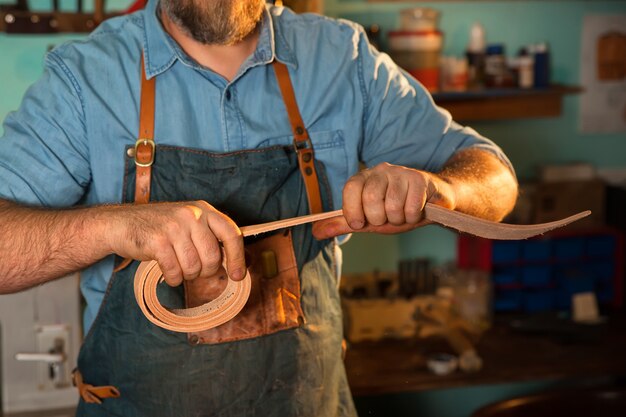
column 274, row 302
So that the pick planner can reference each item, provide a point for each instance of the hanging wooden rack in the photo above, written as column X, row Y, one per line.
column 17, row 18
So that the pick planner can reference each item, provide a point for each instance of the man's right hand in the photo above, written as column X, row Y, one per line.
column 185, row 238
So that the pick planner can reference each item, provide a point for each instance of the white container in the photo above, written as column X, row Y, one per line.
column 526, row 78
column 414, row 40
column 419, row 18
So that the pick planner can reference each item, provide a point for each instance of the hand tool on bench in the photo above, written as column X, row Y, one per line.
column 228, row 304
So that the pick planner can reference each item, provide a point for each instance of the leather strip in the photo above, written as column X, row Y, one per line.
column 492, row 230
column 207, row 316
column 234, row 297
column 91, row 394
column 301, row 140
column 442, row 216
column 144, row 147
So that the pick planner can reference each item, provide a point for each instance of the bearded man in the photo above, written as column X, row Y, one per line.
column 168, row 129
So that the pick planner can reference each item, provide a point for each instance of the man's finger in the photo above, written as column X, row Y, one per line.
column 168, row 262
column 229, row 234
column 415, row 201
column 188, row 258
column 208, row 249
column 373, row 199
column 395, row 199
column 352, row 203
column 337, row 226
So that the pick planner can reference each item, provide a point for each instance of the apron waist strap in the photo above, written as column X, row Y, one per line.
column 91, row 394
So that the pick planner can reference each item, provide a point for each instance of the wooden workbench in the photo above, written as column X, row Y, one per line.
column 508, row 356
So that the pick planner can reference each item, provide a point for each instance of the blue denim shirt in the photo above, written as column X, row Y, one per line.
column 65, row 145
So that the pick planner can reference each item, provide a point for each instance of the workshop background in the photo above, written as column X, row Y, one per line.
column 534, row 145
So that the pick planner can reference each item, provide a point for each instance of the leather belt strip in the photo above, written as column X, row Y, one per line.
column 228, row 304
column 218, row 311
column 91, row 394
column 491, row 230
column 301, row 140
column 144, row 146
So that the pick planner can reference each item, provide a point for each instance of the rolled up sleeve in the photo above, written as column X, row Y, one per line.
column 43, row 150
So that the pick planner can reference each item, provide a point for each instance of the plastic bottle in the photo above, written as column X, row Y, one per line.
column 541, row 54
column 476, row 57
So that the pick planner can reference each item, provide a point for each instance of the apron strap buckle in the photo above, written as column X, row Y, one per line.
column 144, row 152
column 91, row 394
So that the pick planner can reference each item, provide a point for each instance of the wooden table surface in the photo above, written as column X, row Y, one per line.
column 508, row 356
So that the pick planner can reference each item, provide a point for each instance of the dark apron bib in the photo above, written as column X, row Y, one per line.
column 297, row 371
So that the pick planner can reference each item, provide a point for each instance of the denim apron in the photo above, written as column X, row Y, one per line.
column 285, row 360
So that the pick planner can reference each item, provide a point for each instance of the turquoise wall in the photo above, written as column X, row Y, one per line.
column 21, row 56
column 528, row 143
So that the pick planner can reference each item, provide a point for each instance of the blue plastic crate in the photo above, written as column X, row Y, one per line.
column 505, row 252
column 536, row 301
column 601, row 246
column 574, row 280
column 507, row 300
column 536, row 276
column 605, row 290
column 563, row 300
column 605, row 296
column 569, row 249
column 601, row 270
column 536, row 250
column 502, row 277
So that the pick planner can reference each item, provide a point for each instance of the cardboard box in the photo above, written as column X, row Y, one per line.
column 377, row 319
column 555, row 201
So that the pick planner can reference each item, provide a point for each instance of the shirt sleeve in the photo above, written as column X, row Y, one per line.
column 402, row 124
column 43, row 151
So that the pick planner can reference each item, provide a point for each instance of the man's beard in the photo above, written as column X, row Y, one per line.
column 215, row 22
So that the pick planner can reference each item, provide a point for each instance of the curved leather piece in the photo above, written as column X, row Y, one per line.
column 492, row 230
column 206, row 316
column 444, row 217
column 232, row 300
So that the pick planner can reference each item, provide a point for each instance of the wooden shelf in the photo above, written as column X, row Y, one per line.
column 508, row 356
column 504, row 104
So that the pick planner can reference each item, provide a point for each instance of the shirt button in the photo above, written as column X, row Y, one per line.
column 228, row 95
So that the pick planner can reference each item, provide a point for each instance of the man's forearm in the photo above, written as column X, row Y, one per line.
column 38, row 245
column 186, row 239
column 482, row 185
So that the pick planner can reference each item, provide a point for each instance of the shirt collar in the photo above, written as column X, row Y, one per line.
column 160, row 51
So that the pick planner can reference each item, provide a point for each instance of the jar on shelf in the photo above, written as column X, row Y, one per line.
column 418, row 52
column 495, row 66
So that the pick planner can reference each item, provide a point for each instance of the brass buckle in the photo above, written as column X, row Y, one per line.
column 145, row 142
column 303, row 145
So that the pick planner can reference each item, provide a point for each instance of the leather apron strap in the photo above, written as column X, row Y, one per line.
column 91, row 394
column 144, row 146
column 301, row 140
